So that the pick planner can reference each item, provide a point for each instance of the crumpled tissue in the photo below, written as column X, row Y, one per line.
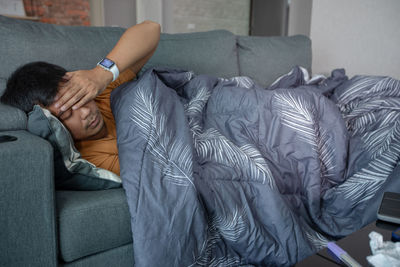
column 384, row 253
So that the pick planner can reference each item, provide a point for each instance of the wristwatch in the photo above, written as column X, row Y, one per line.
column 109, row 65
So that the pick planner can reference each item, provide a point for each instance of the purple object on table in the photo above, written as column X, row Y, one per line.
column 342, row 255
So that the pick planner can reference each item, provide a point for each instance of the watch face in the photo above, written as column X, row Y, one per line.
column 107, row 63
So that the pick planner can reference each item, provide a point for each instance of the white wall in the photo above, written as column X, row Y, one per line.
column 362, row 36
column 156, row 10
column 120, row 13
column 96, row 12
column 149, row 9
column 299, row 21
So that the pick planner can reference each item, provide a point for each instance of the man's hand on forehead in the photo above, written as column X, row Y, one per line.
column 81, row 87
column 58, row 112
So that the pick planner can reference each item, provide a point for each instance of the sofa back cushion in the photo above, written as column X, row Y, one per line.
column 81, row 47
column 264, row 59
column 212, row 52
column 218, row 53
column 72, row 47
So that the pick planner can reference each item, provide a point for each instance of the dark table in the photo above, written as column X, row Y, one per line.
column 356, row 245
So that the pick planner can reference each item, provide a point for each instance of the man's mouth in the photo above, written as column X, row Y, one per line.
column 94, row 122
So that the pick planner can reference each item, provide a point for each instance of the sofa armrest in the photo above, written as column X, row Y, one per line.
column 27, row 204
column 11, row 118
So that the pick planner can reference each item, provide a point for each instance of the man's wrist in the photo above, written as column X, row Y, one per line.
column 109, row 65
column 103, row 76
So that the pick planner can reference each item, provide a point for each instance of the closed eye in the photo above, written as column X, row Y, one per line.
column 65, row 115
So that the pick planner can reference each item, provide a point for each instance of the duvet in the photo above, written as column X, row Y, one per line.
column 222, row 172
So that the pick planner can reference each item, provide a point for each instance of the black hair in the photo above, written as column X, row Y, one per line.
column 33, row 83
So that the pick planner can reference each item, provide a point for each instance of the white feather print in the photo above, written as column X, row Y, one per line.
column 301, row 116
column 195, row 108
column 387, row 86
column 363, row 114
column 142, row 112
column 244, row 82
column 225, row 262
column 207, row 251
column 254, row 154
column 360, row 86
column 239, row 81
column 230, row 226
column 197, row 103
column 372, row 86
column 379, row 140
column 371, row 114
column 173, row 156
column 364, row 184
column 211, row 145
column 316, row 239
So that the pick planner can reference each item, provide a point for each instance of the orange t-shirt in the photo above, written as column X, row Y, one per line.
column 103, row 152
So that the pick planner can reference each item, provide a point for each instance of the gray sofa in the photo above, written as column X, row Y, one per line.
column 42, row 226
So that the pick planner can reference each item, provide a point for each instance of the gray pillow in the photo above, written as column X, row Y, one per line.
column 71, row 171
column 264, row 59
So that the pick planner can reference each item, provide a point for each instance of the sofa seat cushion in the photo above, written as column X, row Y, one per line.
column 92, row 221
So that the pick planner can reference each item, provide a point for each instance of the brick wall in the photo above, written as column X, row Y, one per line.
column 63, row 12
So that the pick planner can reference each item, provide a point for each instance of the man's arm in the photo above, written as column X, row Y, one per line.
column 133, row 50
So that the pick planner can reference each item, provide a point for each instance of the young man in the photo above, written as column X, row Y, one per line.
column 81, row 99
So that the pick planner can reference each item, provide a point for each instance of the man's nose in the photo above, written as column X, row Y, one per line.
column 85, row 111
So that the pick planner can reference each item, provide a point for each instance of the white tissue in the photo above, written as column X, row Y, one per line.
column 384, row 253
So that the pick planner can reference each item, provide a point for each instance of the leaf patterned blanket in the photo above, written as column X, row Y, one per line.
column 222, row 172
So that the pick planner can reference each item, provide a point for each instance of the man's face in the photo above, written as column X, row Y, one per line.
column 84, row 123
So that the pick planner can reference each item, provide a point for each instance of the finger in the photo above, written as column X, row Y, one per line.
column 82, row 102
column 89, row 94
column 71, row 85
column 63, row 98
column 66, row 96
column 62, row 90
column 73, row 100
